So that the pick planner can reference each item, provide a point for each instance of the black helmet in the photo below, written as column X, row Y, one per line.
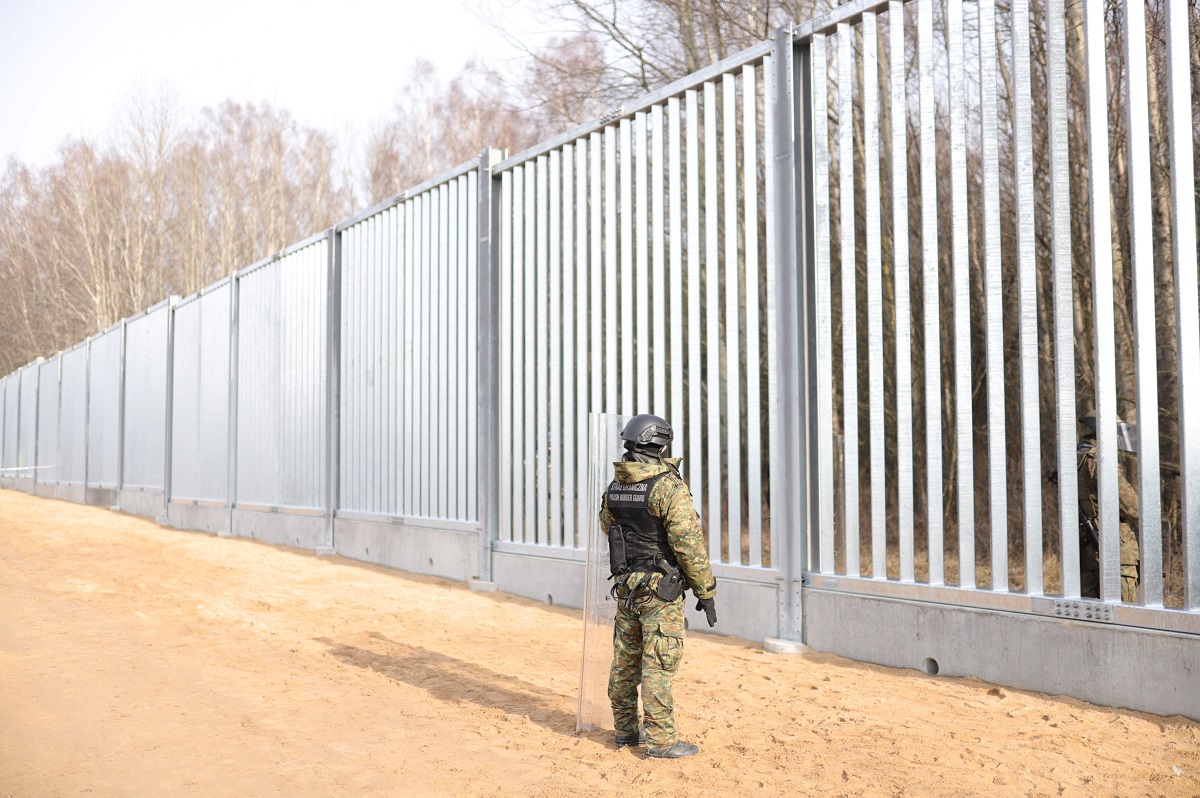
column 1126, row 434
column 648, row 434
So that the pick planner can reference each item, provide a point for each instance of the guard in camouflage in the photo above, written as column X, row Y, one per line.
column 1089, row 554
column 657, row 549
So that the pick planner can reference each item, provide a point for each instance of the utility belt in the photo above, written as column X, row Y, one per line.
column 670, row 585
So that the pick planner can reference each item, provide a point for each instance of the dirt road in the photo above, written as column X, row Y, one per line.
column 142, row 661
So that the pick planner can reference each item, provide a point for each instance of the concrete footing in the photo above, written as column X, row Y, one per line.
column 773, row 645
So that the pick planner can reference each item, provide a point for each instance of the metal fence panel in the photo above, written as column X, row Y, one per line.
column 1033, row 303
column 72, row 425
column 12, row 423
column 281, row 381
column 200, row 397
column 27, row 442
column 145, row 400
column 408, row 275
column 47, row 421
column 104, row 407
column 655, row 216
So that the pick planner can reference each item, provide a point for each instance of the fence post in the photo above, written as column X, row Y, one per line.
column 488, row 378
column 37, row 424
column 169, row 424
column 333, row 371
column 121, row 417
column 87, row 410
column 788, row 502
column 235, row 292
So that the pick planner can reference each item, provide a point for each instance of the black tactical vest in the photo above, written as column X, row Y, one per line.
column 629, row 506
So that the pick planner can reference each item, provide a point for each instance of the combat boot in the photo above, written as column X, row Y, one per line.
column 637, row 738
column 674, row 752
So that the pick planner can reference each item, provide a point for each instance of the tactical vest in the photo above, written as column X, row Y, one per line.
column 629, row 506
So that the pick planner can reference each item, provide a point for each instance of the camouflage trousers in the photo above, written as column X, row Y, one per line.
column 647, row 650
column 1089, row 567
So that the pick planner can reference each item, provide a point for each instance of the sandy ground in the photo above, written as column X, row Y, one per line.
column 137, row 660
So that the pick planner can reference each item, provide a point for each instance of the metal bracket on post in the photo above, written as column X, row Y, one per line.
column 488, row 382
column 787, row 482
column 333, row 367
column 169, row 424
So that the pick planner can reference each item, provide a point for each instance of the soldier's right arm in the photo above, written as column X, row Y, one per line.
column 686, row 537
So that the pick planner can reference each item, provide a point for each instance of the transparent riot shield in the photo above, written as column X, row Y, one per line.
column 599, row 611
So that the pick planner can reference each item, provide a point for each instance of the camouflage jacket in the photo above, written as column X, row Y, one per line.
column 671, row 502
column 1127, row 498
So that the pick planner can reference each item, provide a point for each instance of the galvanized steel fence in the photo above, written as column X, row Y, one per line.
column 742, row 252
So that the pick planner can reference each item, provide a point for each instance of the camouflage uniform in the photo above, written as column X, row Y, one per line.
column 1089, row 558
column 648, row 637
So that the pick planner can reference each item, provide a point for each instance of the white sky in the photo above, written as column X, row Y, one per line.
column 67, row 67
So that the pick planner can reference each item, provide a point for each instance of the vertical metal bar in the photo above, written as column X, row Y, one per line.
column 478, row 226
column 675, row 292
column 904, row 439
column 993, row 297
column 442, row 303
column 750, row 219
column 556, row 335
column 870, row 94
column 641, row 292
column 626, row 289
column 1027, row 291
column 819, row 169
column 1064, row 297
column 584, row 307
column 369, row 423
column 733, row 405
column 421, row 271
column 695, row 422
column 571, row 365
column 542, row 390
column 507, row 359
column 1187, row 313
column 417, row 269
column 387, row 304
column 396, row 375
column 87, row 396
column 1145, row 366
column 448, row 419
column 609, row 344
column 585, row 503
column 333, row 373
column 770, row 100
column 168, row 427
column 849, row 296
column 492, row 338
column 411, row 303
column 662, row 301
column 442, row 365
column 533, row 490
column 960, row 249
column 931, row 302
column 712, row 274
column 596, row 273
column 520, row 302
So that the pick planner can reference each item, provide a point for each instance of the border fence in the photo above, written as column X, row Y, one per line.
column 859, row 266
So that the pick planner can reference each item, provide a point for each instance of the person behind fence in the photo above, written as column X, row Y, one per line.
column 656, row 550
column 1089, row 538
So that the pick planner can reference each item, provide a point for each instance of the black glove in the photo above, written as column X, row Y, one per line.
column 709, row 605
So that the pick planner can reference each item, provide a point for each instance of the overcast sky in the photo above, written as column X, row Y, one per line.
column 68, row 66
